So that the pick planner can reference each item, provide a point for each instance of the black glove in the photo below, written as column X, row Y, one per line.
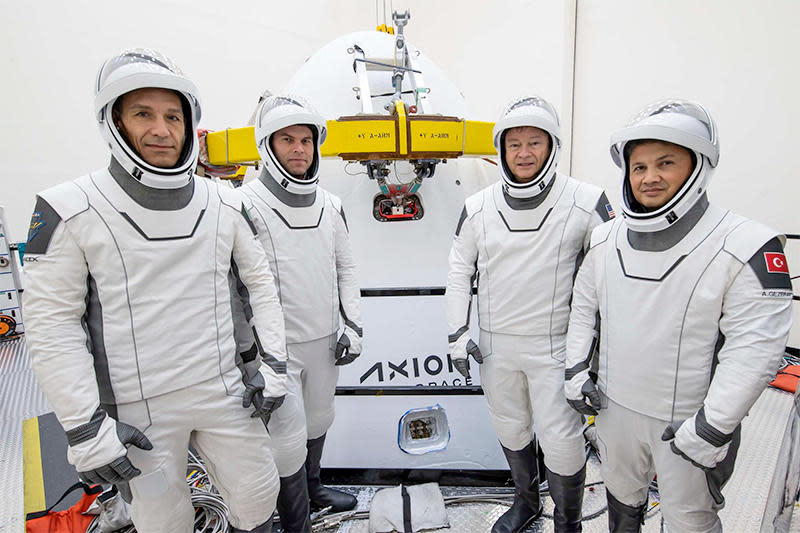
column 254, row 395
column 588, row 392
column 348, row 347
column 120, row 469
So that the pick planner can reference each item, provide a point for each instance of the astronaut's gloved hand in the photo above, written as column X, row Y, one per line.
column 697, row 441
column 254, row 395
column 98, row 449
column 585, row 400
column 461, row 348
column 348, row 347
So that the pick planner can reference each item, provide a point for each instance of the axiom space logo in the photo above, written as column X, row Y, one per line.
column 433, row 370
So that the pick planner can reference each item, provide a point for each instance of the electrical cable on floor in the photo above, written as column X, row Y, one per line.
column 211, row 513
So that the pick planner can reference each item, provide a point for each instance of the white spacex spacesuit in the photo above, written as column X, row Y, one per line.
column 304, row 232
column 695, row 309
column 525, row 242
column 130, row 334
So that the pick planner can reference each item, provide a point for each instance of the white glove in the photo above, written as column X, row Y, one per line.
column 98, row 449
column 584, row 397
column 348, row 347
column 697, row 441
column 461, row 347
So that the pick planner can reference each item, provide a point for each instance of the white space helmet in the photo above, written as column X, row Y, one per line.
column 679, row 122
column 528, row 111
column 275, row 113
column 139, row 68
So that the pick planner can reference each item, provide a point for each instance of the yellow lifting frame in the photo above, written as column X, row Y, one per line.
column 360, row 138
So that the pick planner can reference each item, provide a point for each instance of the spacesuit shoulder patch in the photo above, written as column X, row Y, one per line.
column 44, row 222
column 600, row 233
column 603, row 208
column 231, row 197
column 474, row 203
column 592, row 198
column 67, row 199
column 770, row 267
column 746, row 237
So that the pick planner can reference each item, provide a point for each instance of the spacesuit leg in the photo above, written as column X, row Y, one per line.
column 319, row 383
column 237, row 453
column 161, row 500
column 287, row 429
column 319, row 379
column 558, row 428
column 287, row 424
column 626, row 465
column 506, row 389
column 686, row 502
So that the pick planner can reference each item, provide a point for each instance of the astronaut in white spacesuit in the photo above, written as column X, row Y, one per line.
column 524, row 237
column 694, row 306
column 127, row 306
column 304, row 232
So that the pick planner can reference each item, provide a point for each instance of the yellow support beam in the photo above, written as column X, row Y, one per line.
column 432, row 135
column 364, row 137
column 373, row 134
column 478, row 138
column 402, row 127
column 235, row 145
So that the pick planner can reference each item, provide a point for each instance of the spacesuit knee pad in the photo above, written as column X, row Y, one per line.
column 318, row 423
column 511, row 439
column 564, row 457
column 252, row 500
column 154, row 511
column 692, row 522
column 289, row 452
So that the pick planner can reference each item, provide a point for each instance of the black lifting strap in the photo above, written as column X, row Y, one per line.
column 79, row 485
column 406, row 510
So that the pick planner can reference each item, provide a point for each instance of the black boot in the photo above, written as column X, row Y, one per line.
column 266, row 527
column 526, row 507
column 624, row 518
column 320, row 495
column 293, row 506
column 567, row 494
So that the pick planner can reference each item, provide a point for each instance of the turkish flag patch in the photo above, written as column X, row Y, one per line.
column 776, row 263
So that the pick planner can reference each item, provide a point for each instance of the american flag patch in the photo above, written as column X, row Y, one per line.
column 610, row 210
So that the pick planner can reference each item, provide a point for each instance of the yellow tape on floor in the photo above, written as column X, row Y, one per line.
column 32, row 467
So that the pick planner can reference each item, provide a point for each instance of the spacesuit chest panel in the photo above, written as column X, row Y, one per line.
column 301, row 246
column 526, row 261
column 155, row 273
column 660, row 318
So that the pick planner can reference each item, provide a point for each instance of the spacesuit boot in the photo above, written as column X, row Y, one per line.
column 624, row 518
column 293, row 504
column 527, row 506
column 320, row 495
column 567, row 494
column 266, row 527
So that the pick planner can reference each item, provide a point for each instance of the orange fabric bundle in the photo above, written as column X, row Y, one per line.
column 70, row 520
column 787, row 378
